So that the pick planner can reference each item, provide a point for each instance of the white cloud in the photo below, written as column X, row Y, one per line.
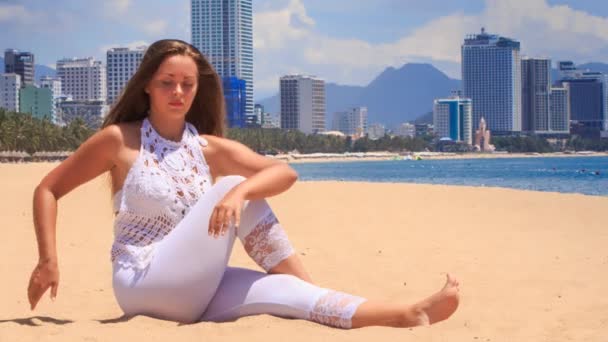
column 116, row 7
column 272, row 29
column 17, row 14
column 286, row 37
column 155, row 27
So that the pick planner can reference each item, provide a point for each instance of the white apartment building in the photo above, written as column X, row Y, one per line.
column 351, row 122
column 302, row 103
column 9, row 91
column 84, row 79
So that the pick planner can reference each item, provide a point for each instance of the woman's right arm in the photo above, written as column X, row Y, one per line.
column 94, row 157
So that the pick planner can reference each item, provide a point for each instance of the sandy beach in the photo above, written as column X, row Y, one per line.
column 533, row 266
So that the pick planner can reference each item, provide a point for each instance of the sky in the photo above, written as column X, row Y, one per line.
column 342, row 41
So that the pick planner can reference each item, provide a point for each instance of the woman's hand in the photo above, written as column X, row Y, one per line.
column 45, row 275
column 225, row 211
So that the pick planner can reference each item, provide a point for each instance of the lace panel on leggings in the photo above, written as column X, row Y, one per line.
column 267, row 244
column 335, row 309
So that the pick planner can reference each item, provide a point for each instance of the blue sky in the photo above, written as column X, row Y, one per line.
column 342, row 41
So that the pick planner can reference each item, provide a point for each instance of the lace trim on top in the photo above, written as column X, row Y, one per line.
column 336, row 309
column 166, row 179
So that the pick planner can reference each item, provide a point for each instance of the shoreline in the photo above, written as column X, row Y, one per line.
column 374, row 156
column 413, row 156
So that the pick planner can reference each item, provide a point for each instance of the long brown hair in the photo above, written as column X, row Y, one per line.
column 207, row 112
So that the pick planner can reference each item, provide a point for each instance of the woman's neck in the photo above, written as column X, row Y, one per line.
column 168, row 128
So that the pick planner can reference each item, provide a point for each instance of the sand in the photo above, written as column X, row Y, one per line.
column 533, row 266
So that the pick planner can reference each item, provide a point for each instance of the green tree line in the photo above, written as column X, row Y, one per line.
column 23, row 132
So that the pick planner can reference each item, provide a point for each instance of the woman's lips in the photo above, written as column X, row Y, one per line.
column 176, row 104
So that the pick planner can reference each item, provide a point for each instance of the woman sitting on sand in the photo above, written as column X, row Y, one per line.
column 174, row 230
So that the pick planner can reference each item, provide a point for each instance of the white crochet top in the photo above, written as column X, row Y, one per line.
column 166, row 179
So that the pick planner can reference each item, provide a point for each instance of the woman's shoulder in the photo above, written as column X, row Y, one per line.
column 124, row 132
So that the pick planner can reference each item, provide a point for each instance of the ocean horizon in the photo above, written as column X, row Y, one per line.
column 583, row 175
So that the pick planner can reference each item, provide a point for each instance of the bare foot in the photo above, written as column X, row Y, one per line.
column 437, row 307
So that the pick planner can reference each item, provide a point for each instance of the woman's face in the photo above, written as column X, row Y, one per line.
column 173, row 86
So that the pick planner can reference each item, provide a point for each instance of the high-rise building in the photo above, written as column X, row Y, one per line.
column 491, row 75
column 234, row 95
column 559, row 120
column 84, row 79
column 36, row 101
column 406, row 129
column 258, row 112
column 588, row 101
column 376, row 131
column 351, row 122
column 121, row 65
column 302, row 103
column 223, row 31
column 9, row 91
column 567, row 69
column 536, row 94
column 452, row 119
column 54, row 84
column 20, row 63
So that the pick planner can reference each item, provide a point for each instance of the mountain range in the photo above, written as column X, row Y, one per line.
column 397, row 95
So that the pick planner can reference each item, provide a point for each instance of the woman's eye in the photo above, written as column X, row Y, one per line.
column 166, row 83
column 188, row 85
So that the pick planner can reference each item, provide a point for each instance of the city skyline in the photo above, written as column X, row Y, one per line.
column 338, row 41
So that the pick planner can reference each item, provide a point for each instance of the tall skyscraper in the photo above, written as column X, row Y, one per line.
column 491, row 75
column 20, row 63
column 302, row 103
column 84, row 79
column 9, row 91
column 351, row 122
column 536, row 94
column 559, row 120
column 223, row 31
column 452, row 119
column 121, row 64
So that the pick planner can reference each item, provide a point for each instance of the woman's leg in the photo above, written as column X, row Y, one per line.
column 246, row 292
column 433, row 309
column 267, row 244
column 186, row 269
column 188, row 264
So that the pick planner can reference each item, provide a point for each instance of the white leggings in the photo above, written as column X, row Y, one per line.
column 188, row 279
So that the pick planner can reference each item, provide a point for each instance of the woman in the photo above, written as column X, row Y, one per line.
column 163, row 145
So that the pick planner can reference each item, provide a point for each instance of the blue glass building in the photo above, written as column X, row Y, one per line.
column 235, row 95
column 491, row 76
column 452, row 119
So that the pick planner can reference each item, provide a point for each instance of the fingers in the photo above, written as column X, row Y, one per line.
column 237, row 219
column 221, row 220
column 35, row 291
column 54, row 287
column 212, row 219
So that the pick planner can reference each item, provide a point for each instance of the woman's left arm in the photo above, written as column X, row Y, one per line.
column 265, row 177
